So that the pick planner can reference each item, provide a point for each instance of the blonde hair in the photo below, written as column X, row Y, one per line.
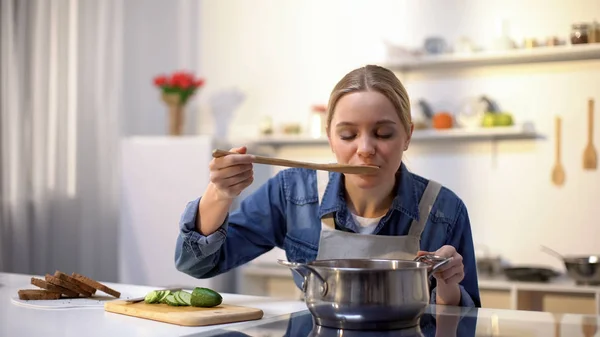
column 373, row 78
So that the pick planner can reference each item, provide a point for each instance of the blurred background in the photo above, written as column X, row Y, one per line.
column 98, row 163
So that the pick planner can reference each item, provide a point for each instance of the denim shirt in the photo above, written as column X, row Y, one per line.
column 285, row 212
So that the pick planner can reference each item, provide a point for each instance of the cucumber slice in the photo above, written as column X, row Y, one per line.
column 170, row 300
column 164, row 297
column 185, row 297
column 152, row 297
column 178, row 298
column 163, row 294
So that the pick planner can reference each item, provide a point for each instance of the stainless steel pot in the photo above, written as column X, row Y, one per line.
column 367, row 294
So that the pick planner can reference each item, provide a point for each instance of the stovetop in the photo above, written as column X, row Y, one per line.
column 301, row 324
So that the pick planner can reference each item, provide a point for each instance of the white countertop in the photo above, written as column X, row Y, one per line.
column 16, row 320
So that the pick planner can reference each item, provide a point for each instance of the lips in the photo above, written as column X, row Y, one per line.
column 369, row 164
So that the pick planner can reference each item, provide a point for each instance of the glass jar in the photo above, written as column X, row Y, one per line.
column 579, row 33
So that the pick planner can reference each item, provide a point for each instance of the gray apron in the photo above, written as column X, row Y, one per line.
column 336, row 244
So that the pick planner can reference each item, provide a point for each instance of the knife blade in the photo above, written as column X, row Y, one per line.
column 139, row 299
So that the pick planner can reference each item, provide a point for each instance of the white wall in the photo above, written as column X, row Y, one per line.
column 287, row 55
column 159, row 37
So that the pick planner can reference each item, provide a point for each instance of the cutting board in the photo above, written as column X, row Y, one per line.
column 186, row 316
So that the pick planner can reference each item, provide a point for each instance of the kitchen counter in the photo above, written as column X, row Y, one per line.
column 18, row 320
column 281, row 318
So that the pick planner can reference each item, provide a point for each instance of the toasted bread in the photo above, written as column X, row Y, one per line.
column 52, row 287
column 37, row 294
column 96, row 284
column 84, row 287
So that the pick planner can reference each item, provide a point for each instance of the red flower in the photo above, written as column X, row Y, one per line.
column 181, row 83
column 160, row 80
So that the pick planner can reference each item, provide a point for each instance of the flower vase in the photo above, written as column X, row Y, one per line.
column 176, row 111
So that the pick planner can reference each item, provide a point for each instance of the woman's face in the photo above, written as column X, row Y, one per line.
column 366, row 130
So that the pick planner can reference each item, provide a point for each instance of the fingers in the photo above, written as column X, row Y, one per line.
column 231, row 160
column 231, row 174
column 453, row 274
column 235, row 190
column 422, row 252
column 446, row 251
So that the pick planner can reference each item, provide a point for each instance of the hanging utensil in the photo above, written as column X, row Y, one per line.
column 558, row 173
column 342, row 168
column 553, row 252
column 590, row 158
column 557, row 320
column 589, row 326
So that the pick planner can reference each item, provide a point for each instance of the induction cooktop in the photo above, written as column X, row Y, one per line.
column 301, row 324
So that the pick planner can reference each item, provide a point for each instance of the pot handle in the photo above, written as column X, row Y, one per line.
column 304, row 270
column 435, row 261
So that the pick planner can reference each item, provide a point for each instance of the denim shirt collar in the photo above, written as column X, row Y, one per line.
column 405, row 201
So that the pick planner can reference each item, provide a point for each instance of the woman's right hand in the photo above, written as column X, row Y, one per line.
column 231, row 174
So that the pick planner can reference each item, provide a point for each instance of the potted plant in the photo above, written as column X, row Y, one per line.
column 176, row 90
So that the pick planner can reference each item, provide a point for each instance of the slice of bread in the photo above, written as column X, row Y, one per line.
column 52, row 287
column 37, row 294
column 87, row 291
column 61, row 283
column 96, row 284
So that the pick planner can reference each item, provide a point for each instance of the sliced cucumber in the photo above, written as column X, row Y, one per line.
column 166, row 294
column 163, row 294
column 152, row 297
column 170, row 300
column 178, row 298
column 185, row 297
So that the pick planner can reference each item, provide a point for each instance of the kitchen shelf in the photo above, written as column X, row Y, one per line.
column 525, row 131
column 488, row 58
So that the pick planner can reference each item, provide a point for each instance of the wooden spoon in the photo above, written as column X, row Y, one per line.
column 589, row 326
column 558, row 173
column 590, row 160
column 342, row 168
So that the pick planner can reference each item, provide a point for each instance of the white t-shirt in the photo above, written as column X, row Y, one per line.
column 366, row 225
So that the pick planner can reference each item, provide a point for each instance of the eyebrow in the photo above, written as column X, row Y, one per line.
column 381, row 122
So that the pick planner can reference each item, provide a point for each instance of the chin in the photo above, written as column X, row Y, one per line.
column 365, row 181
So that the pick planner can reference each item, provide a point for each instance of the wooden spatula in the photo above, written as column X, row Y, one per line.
column 342, row 168
column 558, row 173
column 590, row 158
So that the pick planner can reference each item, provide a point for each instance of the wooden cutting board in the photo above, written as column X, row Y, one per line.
column 186, row 316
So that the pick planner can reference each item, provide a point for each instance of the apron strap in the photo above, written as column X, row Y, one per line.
column 327, row 221
column 427, row 200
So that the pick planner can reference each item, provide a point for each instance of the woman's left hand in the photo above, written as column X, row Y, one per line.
column 452, row 272
column 448, row 276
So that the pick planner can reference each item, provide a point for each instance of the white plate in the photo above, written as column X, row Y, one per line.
column 96, row 301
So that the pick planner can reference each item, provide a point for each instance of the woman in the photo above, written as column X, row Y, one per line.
column 319, row 215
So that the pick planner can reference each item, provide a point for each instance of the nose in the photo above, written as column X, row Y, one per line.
column 366, row 146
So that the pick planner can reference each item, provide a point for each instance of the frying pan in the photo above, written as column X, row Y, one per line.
column 583, row 269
